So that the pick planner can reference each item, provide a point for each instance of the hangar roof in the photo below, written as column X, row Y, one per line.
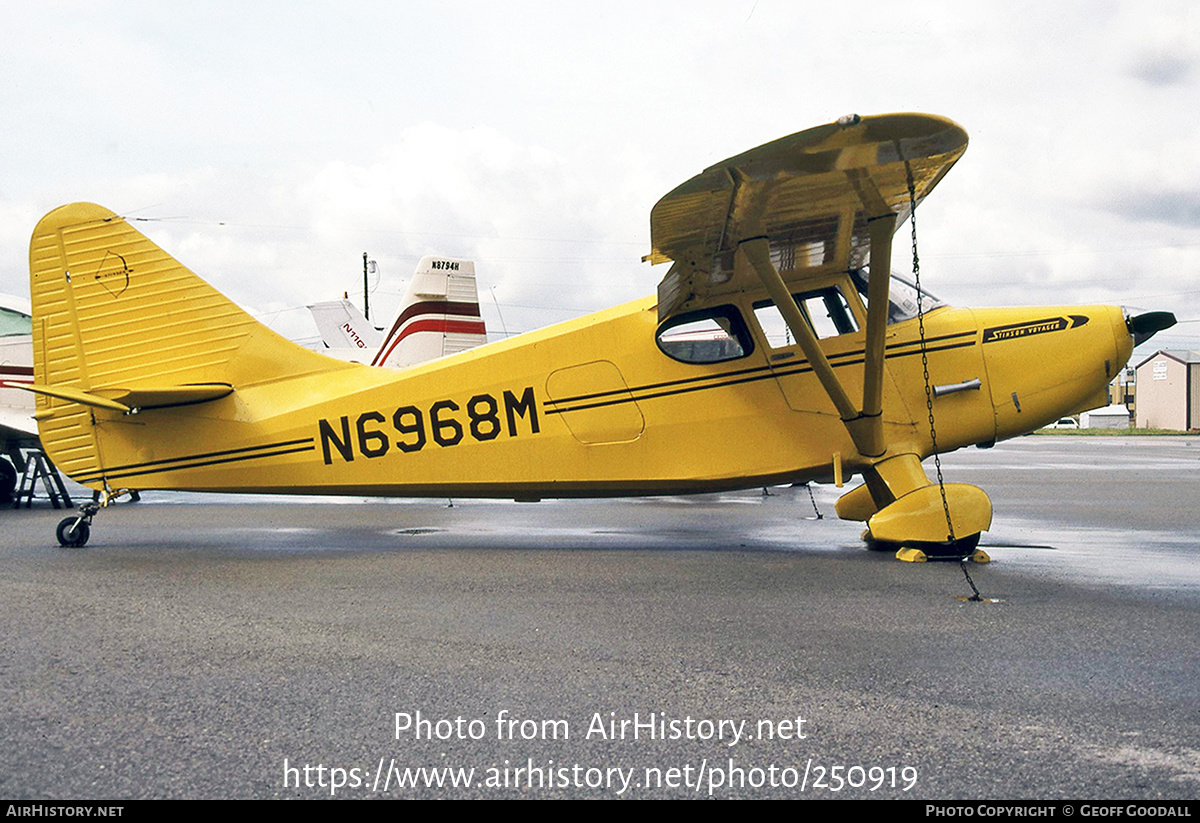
column 1180, row 355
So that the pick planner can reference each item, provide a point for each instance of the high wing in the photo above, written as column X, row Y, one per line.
column 811, row 194
column 822, row 200
column 806, row 206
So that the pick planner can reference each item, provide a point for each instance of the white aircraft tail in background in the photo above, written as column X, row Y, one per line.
column 439, row 316
column 347, row 335
column 17, row 426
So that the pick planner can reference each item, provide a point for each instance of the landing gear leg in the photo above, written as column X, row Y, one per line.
column 73, row 532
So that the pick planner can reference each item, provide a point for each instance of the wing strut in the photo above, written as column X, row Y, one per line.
column 881, row 229
column 865, row 430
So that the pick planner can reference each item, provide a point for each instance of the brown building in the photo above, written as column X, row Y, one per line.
column 1168, row 391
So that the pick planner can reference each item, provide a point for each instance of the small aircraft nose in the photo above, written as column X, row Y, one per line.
column 1144, row 326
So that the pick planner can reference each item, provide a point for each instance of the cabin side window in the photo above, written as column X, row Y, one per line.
column 825, row 310
column 711, row 335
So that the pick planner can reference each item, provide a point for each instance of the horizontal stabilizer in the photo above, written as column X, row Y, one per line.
column 156, row 397
column 128, row 399
column 77, row 396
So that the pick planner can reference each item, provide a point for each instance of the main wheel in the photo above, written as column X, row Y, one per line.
column 956, row 550
column 880, row 545
column 73, row 532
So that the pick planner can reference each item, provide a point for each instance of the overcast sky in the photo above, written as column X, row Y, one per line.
column 268, row 145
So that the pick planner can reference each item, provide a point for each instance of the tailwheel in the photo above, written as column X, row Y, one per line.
column 73, row 532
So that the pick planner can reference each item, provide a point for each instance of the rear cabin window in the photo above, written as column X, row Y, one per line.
column 707, row 336
column 826, row 310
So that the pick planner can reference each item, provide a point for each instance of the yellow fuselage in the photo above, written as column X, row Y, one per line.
column 593, row 407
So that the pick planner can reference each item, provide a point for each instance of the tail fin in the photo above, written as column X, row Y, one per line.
column 439, row 315
column 344, row 329
column 119, row 324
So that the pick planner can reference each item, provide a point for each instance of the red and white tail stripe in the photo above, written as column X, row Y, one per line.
column 437, row 317
column 15, row 376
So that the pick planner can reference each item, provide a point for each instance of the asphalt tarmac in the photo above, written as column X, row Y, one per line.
column 724, row 646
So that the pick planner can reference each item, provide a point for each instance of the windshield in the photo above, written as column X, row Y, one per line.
column 902, row 296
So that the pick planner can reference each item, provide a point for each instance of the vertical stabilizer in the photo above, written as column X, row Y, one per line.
column 118, row 324
column 344, row 331
column 439, row 315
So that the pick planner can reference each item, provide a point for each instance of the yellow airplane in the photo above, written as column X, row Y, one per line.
column 778, row 349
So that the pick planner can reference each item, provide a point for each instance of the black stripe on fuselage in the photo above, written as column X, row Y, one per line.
column 733, row 378
column 193, row 461
column 605, row 398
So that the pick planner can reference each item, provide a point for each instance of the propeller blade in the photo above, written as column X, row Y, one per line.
column 1145, row 326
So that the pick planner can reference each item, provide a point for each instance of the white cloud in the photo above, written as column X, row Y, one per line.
column 536, row 138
